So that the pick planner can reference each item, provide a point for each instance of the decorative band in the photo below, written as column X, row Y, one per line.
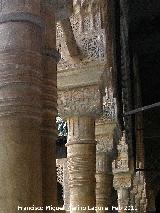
column 21, row 16
column 51, row 52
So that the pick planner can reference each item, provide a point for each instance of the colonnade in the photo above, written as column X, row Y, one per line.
column 80, row 102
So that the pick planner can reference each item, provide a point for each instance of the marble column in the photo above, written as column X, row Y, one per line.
column 20, row 104
column 80, row 102
column 105, row 129
column 104, row 183
column 49, row 105
column 81, row 154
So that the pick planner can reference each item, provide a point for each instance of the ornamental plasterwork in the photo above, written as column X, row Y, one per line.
column 88, row 33
column 121, row 164
column 109, row 105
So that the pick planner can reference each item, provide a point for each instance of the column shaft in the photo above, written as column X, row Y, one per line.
column 81, row 154
column 104, row 183
column 20, row 105
column 49, row 104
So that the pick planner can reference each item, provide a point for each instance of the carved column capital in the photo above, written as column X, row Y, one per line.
column 80, row 101
column 104, row 132
column 81, row 90
column 122, row 181
column 81, row 130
